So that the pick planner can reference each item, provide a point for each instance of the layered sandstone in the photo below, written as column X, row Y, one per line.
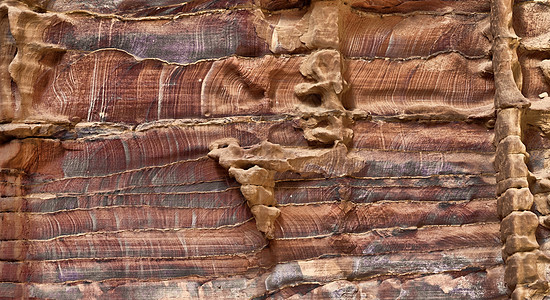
column 273, row 149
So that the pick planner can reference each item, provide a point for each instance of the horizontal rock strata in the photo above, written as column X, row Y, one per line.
column 270, row 149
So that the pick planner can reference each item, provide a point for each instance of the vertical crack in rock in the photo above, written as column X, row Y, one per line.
column 515, row 184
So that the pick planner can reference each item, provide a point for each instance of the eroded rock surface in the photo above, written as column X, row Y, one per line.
column 274, row 149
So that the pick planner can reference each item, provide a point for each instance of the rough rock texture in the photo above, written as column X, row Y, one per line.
column 257, row 149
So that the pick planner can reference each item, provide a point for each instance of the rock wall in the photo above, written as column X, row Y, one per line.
column 261, row 149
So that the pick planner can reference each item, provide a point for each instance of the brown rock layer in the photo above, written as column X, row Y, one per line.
column 273, row 149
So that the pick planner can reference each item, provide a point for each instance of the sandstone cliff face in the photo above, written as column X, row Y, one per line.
column 274, row 149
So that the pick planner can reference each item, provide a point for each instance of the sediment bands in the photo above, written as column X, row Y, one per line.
column 136, row 140
column 87, row 210
column 296, row 220
column 182, row 253
column 104, row 85
column 295, row 280
column 97, row 67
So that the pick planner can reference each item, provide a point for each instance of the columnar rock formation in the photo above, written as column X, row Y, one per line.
column 526, row 265
column 274, row 149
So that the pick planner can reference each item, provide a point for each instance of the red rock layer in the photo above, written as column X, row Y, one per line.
column 158, row 89
column 182, row 40
column 168, row 7
column 239, row 86
column 142, row 8
column 411, row 6
column 147, row 215
column 455, row 84
column 370, row 35
column 290, row 275
column 107, row 190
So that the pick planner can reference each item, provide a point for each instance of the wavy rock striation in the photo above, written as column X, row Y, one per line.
column 259, row 149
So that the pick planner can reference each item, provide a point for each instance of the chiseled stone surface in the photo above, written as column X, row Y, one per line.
column 257, row 149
